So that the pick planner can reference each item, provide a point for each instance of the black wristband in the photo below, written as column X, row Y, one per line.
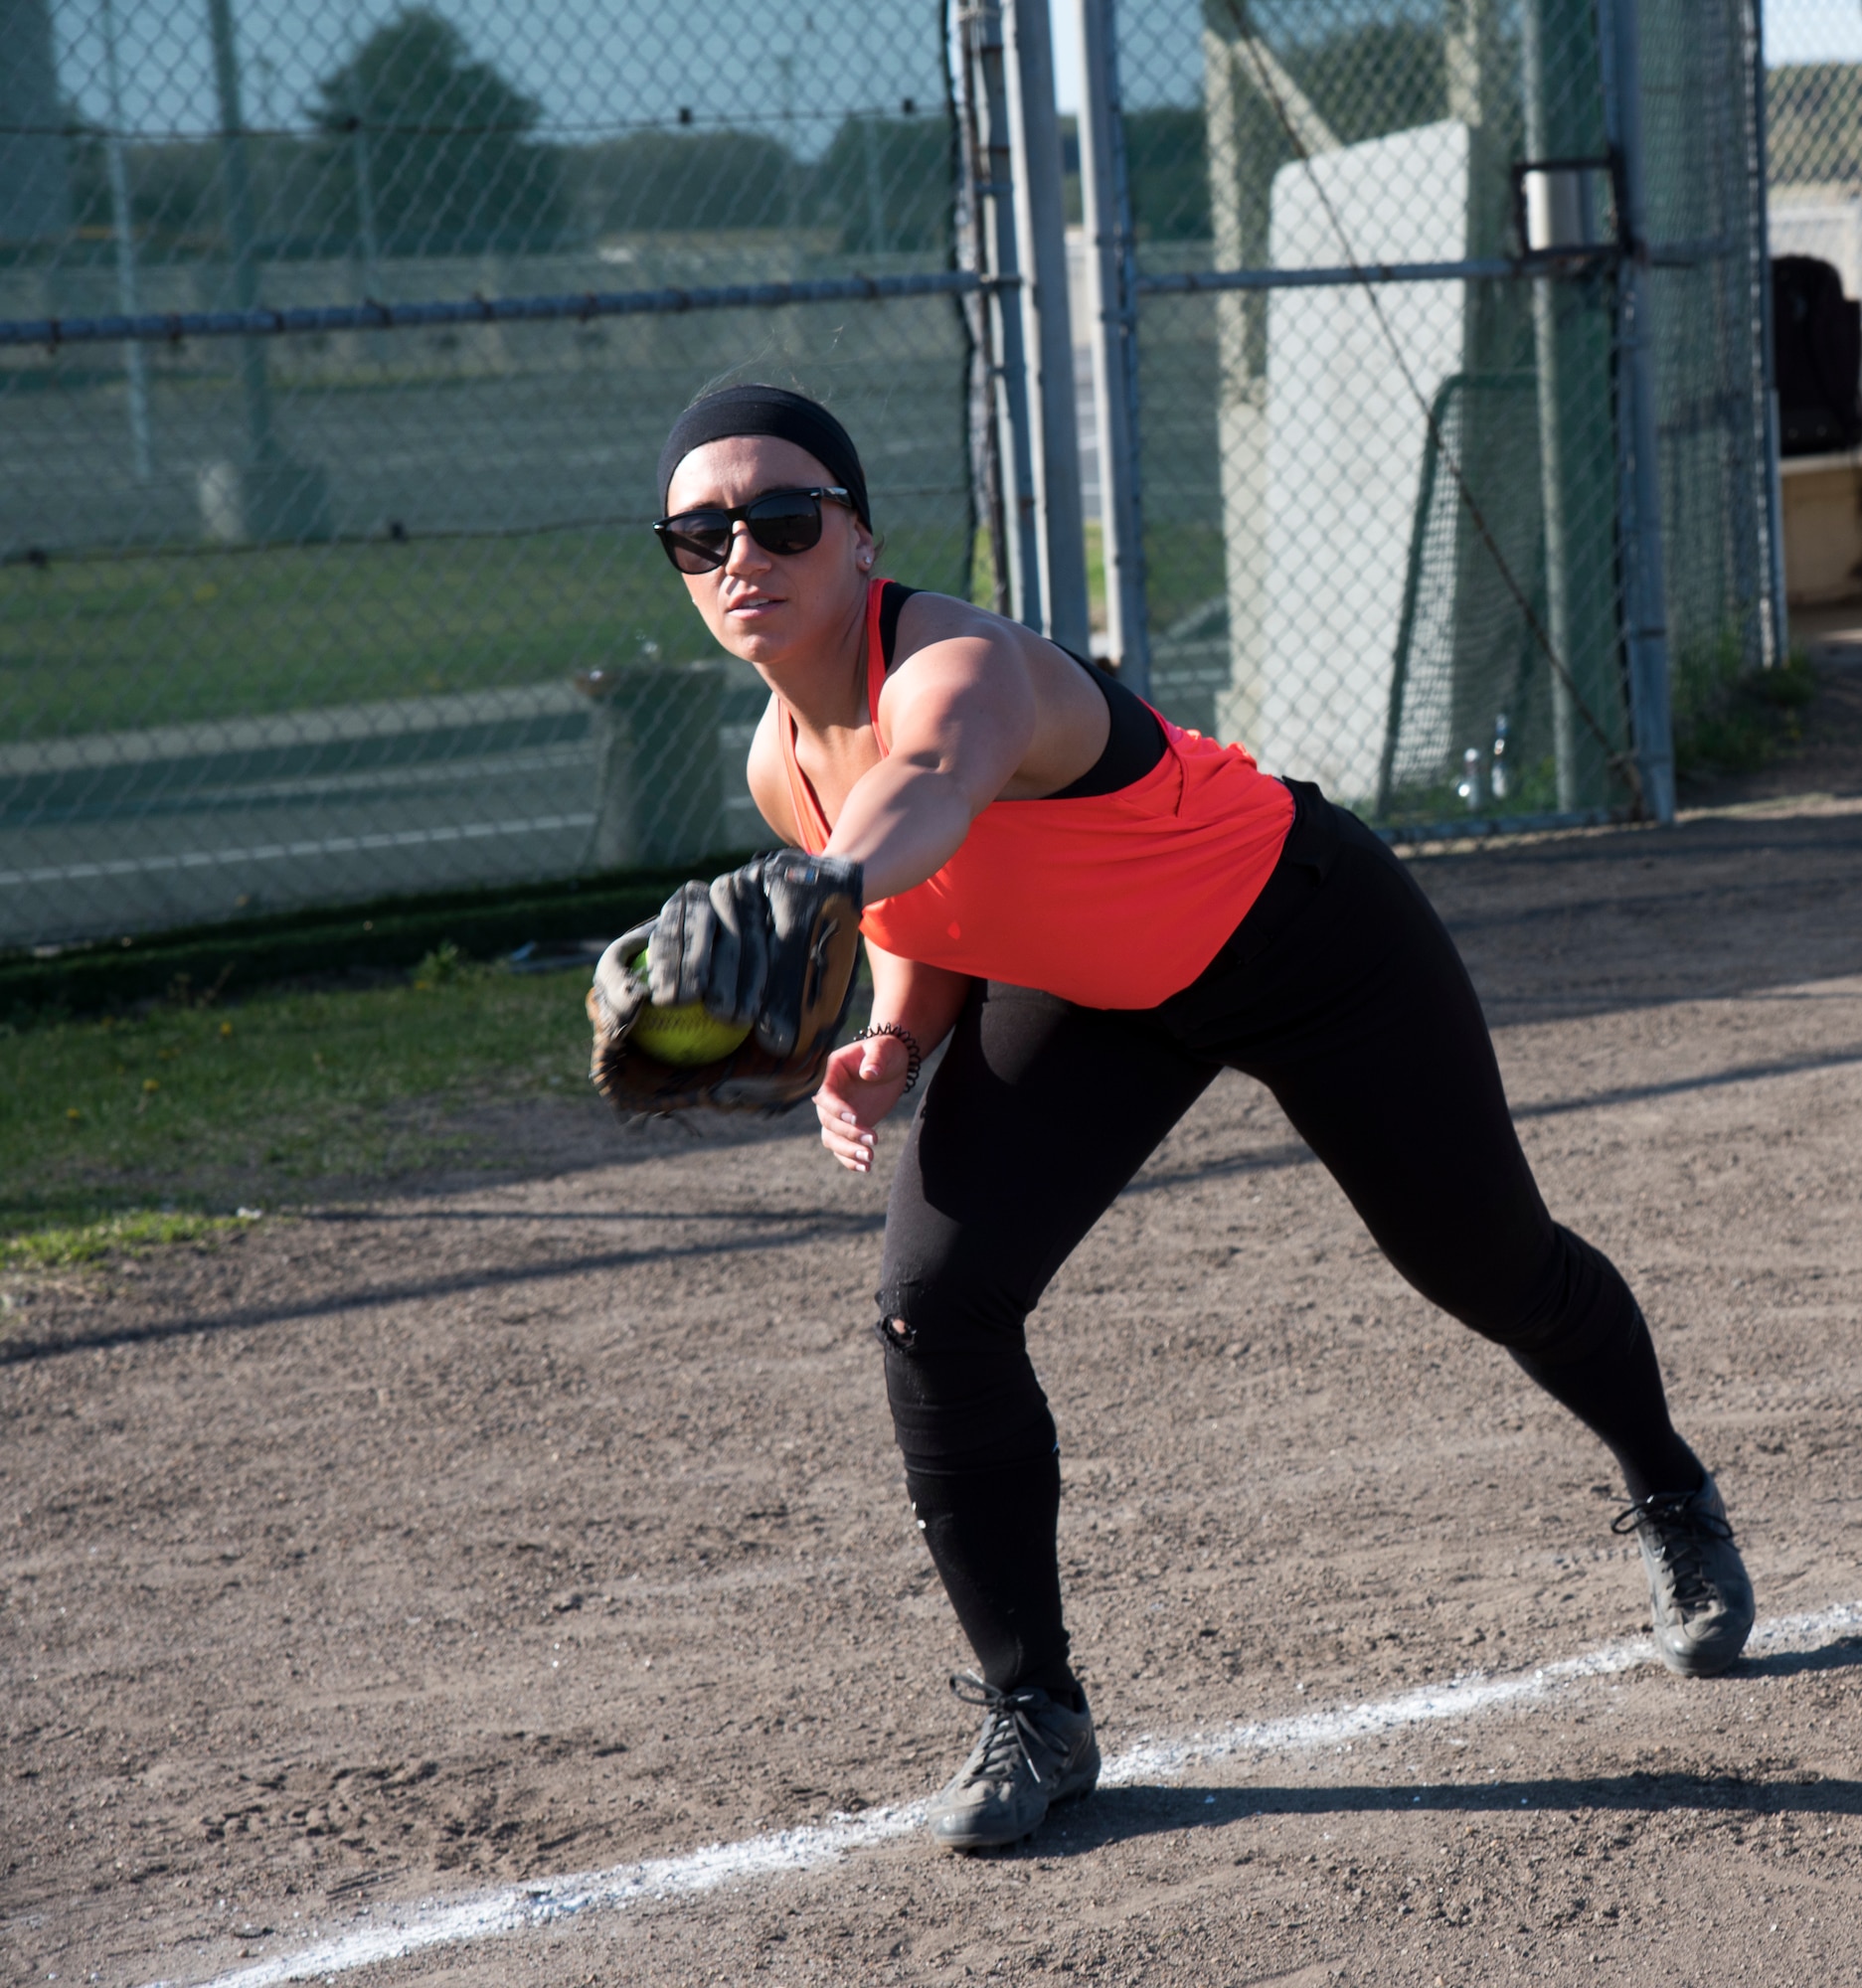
column 914, row 1055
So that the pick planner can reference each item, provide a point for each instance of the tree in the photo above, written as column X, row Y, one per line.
column 676, row 182
column 886, row 181
column 445, row 143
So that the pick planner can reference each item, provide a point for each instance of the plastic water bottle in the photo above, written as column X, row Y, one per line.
column 1497, row 780
column 1469, row 788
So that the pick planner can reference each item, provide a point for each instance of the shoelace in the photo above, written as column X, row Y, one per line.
column 1009, row 1731
column 1681, row 1528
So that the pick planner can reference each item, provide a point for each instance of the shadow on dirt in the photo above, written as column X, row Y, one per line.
column 1269, row 1158
column 1712, row 907
column 1117, row 1815
column 1844, row 1654
column 806, row 1230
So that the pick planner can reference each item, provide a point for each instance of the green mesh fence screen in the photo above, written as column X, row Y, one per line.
column 1385, row 518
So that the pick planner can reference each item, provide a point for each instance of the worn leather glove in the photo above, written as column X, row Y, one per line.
column 711, row 943
column 775, row 942
column 814, row 905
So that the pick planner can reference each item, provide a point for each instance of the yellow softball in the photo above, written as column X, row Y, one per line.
column 685, row 1035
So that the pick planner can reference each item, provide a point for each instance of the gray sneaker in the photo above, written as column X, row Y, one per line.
column 1698, row 1586
column 1033, row 1752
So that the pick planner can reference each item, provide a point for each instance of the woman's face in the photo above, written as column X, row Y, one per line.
column 770, row 607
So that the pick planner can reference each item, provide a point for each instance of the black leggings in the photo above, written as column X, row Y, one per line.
column 1344, row 995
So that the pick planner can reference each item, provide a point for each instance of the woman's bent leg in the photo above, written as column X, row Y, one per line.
column 1039, row 1115
column 1363, row 1022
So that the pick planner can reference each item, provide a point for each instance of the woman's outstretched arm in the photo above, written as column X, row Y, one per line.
column 958, row 718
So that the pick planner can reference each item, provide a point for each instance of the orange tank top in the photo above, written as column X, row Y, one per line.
column 1109, row 900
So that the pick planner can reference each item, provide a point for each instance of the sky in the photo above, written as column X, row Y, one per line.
column 594, row 65
column 1805, row 30
column 591, row 64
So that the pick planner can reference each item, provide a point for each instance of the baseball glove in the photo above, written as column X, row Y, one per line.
column 775, row 944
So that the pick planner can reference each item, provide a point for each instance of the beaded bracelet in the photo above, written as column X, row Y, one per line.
column 914, row 1055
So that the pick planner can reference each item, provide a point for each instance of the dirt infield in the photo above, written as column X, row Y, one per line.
column 505, row 1529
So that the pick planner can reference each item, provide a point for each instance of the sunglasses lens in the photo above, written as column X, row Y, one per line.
column 786, row 521
column 697, row 541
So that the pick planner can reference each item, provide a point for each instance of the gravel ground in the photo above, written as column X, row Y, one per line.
column 542, row 1521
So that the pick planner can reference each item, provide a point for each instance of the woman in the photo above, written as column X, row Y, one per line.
column 1098, row 912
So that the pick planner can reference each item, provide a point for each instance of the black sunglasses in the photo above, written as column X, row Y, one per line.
column 780, row 521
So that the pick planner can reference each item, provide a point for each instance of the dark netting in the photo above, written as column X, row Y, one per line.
column 1471, row 718
column 1387, row 521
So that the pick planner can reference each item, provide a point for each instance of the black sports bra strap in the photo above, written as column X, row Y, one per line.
column 1133, row 745
column 892, row 601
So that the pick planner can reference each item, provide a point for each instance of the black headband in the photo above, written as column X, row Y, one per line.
column 768, row 411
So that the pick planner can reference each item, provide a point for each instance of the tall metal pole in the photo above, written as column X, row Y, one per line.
column 1644, row 583
column 363, row 166
column 1104, row 197
column 1774, row 486
column 135, row 356
column 993, row 161
column 1041, row 230
column 969, row 214
column 1561, row 61
column 875, row 203
column 236, row 178
column 791, row 201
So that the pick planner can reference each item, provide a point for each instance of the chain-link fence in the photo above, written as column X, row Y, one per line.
column 1814, row 105
column 347, row 610
column 1393, row 292
column 330, row 579
column 1813, row 109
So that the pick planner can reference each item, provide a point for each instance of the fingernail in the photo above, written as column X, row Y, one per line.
column 847, row 1119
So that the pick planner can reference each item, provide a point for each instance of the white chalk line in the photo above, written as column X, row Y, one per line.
column 415, row 1929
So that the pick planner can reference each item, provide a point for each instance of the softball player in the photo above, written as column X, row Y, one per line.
column 1098, row 912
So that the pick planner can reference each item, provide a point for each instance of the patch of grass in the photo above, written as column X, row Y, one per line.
column 1096, row 612
column 1185, row 564
column 202, row 1108
column 171, row 638
column 105, row 645
column 1532, row 789
column 115, row 1235
column 1732, row 719
column 444, row 963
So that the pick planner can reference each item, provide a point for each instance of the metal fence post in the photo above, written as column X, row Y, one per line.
column 1645, row 586
column 1561, row 47
column 1105, row 197
column 270, row 496
column 1779, row 617
column 989, row 161
column 236, row 180
column 1048, row 348
column 123, row 225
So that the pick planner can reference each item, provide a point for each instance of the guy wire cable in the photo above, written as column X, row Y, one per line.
column 1624, row 763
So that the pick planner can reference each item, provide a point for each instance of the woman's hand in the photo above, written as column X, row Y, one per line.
column 864, row 1081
